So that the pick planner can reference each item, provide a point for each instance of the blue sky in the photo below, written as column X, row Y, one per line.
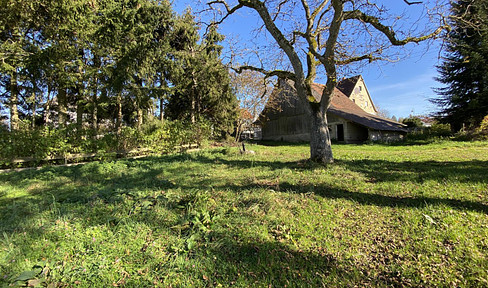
column 401, row 88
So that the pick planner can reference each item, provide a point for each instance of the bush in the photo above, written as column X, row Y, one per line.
column 47, row 142
column 478, row 133
column 412, row 122
column 440, row 130
column 483, row 129
column 435, row 132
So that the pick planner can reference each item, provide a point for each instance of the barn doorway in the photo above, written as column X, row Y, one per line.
column 340, row 132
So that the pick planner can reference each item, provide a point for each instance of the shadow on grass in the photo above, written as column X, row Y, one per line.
column 86, row 191
column 380, row 170
column 256, row 263
column 110, row 184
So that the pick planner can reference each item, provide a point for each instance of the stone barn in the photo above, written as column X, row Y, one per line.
column 352, row 116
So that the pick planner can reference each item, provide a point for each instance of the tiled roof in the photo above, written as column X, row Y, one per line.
column 343, row 107
column 347, row 85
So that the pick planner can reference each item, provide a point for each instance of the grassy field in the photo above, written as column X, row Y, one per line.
column 380, row 216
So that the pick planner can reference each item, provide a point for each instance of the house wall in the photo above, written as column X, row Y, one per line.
column 361, row 97
column 291, row 128
column 297, row 129
column 355, row 133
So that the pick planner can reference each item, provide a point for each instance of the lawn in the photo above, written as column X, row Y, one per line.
column 403, row 215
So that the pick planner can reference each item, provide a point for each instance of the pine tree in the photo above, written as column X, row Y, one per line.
column 464, row 71
column 201, row 82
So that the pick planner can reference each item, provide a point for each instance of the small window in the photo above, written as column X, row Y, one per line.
column 360, row 88
column 365, row 103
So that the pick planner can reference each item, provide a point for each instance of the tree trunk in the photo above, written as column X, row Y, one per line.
column 320, row 146
column 14, row 95
column 48, row 107
column 97, row 63
column 140, row 117
column 79, row 115
column 95, row 111
column 34, row 110
column 192, row 108
column 62, row 107
column 161, row 112
column 118, row 122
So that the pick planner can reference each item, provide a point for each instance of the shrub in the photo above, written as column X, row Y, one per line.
column 412, row 122
column 440, row 129
column 45, row 142
column 478, row 133
column 483, row 128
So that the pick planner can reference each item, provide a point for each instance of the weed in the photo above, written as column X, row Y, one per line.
column 381, row 215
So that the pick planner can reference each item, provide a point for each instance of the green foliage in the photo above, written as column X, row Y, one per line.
column 155, row 137
column 483, row 128
column 85, row 64
column 464, row 99
column 201, row 83
column 412, row 122
column 437, row 131
column 401, row 215
column 478, row 133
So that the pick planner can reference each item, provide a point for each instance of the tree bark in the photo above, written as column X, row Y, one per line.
column 97, row 63
column 79, row 115
column 161, row 112
column 193, row 109
column 62, row 107
column 320, row 146
column 140, row 117
column 34, row 110
column 48, row 107
column 95, row 109
column 118, row 122
column 14, row 95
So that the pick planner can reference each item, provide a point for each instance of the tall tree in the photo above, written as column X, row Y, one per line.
column 464, row 71
column 201, row 82
column 325, row 35
column 14, row 27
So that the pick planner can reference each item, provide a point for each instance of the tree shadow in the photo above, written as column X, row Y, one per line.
column 87, row 190
column 258, row 263
column 420, row 171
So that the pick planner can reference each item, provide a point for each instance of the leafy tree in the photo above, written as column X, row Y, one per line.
column 201, row 82
column 325, row 35
column 464, row 71
column 412, row 122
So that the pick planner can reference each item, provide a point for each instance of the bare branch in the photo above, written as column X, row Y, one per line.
column 388, row 30
column 230, row 10
column 412, row 3
column 368, row 57
column 279, row 73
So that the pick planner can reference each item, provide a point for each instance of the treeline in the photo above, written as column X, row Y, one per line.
column 93, row 67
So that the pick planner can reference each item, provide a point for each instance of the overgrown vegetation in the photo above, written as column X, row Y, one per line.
column 154, row 137
column 379, row 216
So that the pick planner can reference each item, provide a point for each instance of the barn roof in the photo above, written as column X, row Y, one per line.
column 347, row 85
column 343, row 107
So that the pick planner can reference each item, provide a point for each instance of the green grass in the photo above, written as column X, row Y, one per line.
column 379, row 216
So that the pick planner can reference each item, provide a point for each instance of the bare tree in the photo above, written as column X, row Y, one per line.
column 253, row 91
column 328, row 35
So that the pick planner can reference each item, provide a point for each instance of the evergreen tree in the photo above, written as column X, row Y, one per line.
column 464, row 100
column 201, row 82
